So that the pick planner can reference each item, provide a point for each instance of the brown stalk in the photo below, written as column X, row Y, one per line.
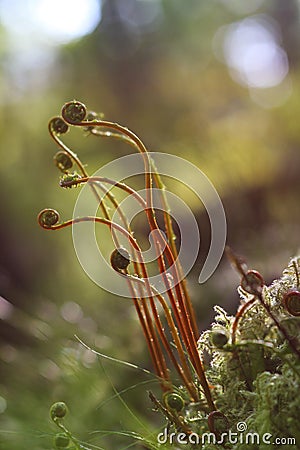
column 167, row 219
column 142, row 202
column 179, row 308
column 117, row 227
column 144, row 315
column 185, row 374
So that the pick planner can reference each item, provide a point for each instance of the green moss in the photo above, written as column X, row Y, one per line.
column 256, row 375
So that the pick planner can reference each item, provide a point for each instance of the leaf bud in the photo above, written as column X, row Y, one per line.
column 68, row 178
column 219, row 338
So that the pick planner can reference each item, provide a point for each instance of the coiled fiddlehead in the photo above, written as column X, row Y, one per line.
column 58, row 126
column 63, row 161
column 291, row 302
column 58, row 410
column 120, row 259
column 47, row 218
column 74, row 112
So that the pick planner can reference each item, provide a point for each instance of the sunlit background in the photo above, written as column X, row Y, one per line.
column 217, row 82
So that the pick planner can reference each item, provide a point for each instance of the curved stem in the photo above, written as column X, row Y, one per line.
column 75, row 158
column 183, row 371
column 170, row 321
column 144, row 315
column 180, row 309
column 159, row 358
column 93, row 180
column 242, row 269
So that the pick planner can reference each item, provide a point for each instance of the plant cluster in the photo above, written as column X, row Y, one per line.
column 245, row 368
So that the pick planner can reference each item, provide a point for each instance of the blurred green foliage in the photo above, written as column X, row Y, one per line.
column 166, row 84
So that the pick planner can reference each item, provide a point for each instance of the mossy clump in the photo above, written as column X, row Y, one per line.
column 256, row 374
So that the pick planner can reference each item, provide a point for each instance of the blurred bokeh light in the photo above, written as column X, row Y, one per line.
column 251, row 48
column 45, row 20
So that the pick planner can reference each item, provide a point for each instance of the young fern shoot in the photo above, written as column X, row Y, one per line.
column 179, row 321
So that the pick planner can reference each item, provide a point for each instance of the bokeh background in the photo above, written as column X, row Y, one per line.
column 216, row 82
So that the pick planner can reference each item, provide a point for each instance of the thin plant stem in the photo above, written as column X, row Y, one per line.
column 167, row 219
column 161, row 299
column 163, row 371
column 183, row 371
column 144, row 316
column 180, row 308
